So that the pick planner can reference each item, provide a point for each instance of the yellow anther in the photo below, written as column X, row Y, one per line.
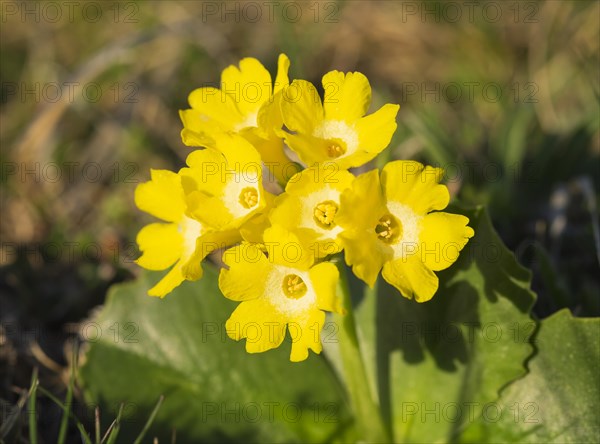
column 293, row 286
column 324, row 214
column 249, row 197
column 389, row 229
column 335, row 150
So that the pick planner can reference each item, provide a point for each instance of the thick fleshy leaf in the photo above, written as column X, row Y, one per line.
column 559, row 399
column 214, row 391
column 434, row 366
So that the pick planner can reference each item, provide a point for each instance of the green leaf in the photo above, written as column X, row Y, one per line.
column 559, row 399
column 437, row 365
column 143, row 347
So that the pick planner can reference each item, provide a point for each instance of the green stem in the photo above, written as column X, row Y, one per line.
column 366, row 409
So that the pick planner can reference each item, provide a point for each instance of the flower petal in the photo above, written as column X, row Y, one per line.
column 375, row 131
column 166, row 285
column 443, row 236
column 193, row 133
column 363, row 253
column 208, row 159
column 306, row 335
column 324, row 278
column 347, row 96
column 282, row 80
column 411, row 277
column 161, row 246
column 363, row 204
column 273, row 155
column 257, row 321
column 314, row 179
column 206, row 244
column 285, row 248
column 212, row 107
column 210, row 210
column 301, row 107
column 224, row 186
column 361, row 207
column 248, row 271
column 309, row 149
column 415, row 185
column 249, row 86
column 287, row 212
column 252, row 230
column 162, row 196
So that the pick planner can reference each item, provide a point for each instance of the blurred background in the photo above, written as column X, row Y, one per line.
column 504, row 95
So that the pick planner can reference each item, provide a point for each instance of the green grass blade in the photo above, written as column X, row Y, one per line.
column 114, row 428
column 97, row 424
column 13, row 416
column 64, row 422
column 80, row 427
column 150, row 421
column 32, row 408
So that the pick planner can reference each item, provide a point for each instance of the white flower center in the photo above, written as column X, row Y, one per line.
column 290, row 292
column 190, row 229
column 241, row 194
column 337, row 130
column 407, row 243
column 250, row 120
column 312, row 201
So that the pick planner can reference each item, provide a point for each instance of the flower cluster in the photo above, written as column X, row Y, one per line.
column 270, row 187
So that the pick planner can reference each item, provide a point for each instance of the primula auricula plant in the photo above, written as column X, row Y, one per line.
column 281, row 252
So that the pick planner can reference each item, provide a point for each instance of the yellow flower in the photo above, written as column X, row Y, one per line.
column 224, row 186
column 174, row 242
column 254, row 229
column 248, row 103
column 309, row 205
column 281, row 290
column 396, row 225
column 336, row 130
